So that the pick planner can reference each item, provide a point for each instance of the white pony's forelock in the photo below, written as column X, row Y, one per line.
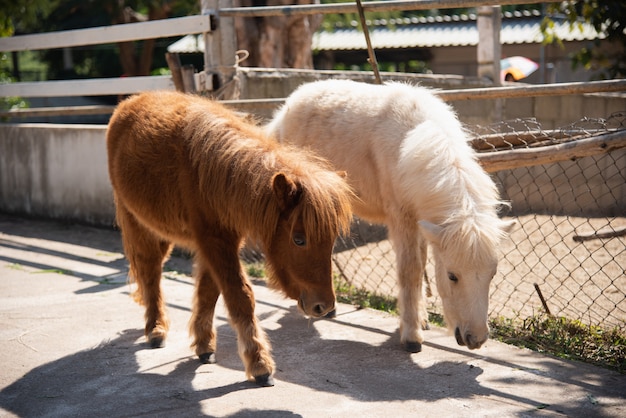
column 462, row 198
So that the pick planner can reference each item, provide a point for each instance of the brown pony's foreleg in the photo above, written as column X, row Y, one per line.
column 146, row 254
column 410, row 249
column 254, row 348
column 201, row 325
column 222, row 256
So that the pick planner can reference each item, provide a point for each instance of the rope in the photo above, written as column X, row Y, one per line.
column 240, row 56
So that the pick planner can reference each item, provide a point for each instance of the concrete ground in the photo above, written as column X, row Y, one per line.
column 71, row 344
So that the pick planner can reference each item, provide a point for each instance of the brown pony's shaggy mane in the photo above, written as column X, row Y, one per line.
column 248, row 156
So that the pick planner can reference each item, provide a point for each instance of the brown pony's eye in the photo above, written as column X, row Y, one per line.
column 453, row 277
column 299, row 239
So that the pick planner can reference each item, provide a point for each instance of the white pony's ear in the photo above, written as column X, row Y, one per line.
column 431, row 232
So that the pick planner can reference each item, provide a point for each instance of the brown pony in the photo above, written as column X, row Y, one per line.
column 187, row 171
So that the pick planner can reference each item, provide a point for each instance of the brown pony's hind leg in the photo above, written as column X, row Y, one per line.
column 146, row 254
column 201, row 325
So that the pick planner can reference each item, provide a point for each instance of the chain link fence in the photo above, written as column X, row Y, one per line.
column 569, row 247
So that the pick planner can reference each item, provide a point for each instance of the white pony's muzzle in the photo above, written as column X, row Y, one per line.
column 471, row 341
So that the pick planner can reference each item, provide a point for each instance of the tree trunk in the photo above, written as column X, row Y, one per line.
column 277, row 41
column 138, row 61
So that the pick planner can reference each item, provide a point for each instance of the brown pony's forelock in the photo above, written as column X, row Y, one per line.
column 325, row 207
column 248, row 158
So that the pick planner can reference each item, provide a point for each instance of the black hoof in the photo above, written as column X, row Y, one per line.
column 265, row 380
column 413, row 346
column 332, row 314
column 426, row 326
column 207, row 358
column 157, row 342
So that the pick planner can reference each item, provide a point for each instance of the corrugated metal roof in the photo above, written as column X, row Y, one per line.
column 187, row 45
column 428, row 34
column 424, row 32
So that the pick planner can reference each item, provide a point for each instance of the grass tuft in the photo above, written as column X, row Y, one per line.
column 361, row 298
column 565, row 338
column 256, row 270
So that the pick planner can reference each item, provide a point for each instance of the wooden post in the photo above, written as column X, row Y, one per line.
column 489, row 50
column 187, row 76
column 220, row 44
column 543, row 300
column 173, row 62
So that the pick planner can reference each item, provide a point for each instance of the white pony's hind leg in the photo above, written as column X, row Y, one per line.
column 426, row 290
column 409, row 249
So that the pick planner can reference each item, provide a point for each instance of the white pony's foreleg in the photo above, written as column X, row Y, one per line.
column 410, row 249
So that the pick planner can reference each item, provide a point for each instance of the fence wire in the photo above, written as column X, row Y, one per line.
column 570, row 242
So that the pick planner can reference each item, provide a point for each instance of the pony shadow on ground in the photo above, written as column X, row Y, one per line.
column 367, row 372
column 105, row 381
column 109, row 381
column 386, row 373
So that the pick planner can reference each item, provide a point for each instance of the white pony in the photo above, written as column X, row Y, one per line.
column 408, row 158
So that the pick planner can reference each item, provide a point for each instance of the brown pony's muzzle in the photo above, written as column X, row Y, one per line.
column 315, row 307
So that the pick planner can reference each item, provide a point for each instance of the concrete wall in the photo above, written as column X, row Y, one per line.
column 551, row 112
column 255, row 83
column 588, row 187
column 55, row 171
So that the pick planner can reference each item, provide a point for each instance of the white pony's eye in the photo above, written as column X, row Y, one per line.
column 299, row 239
column 453, row 277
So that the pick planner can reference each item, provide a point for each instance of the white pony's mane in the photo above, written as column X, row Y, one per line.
column 439, row 168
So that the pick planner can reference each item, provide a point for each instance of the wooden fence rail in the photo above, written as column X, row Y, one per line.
column 137, row 84
column 179, row 26
column 571, row 150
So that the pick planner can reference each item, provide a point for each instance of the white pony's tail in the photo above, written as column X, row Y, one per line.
column 274, row 127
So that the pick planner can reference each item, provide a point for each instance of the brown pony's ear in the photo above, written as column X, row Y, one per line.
column 287, row 192
column 342, row 174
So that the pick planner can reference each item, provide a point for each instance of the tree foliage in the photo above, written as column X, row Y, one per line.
column 19, row 15
column 608, row 17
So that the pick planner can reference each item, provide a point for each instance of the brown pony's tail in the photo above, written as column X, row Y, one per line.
column 131, row 278
column 131, row 232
